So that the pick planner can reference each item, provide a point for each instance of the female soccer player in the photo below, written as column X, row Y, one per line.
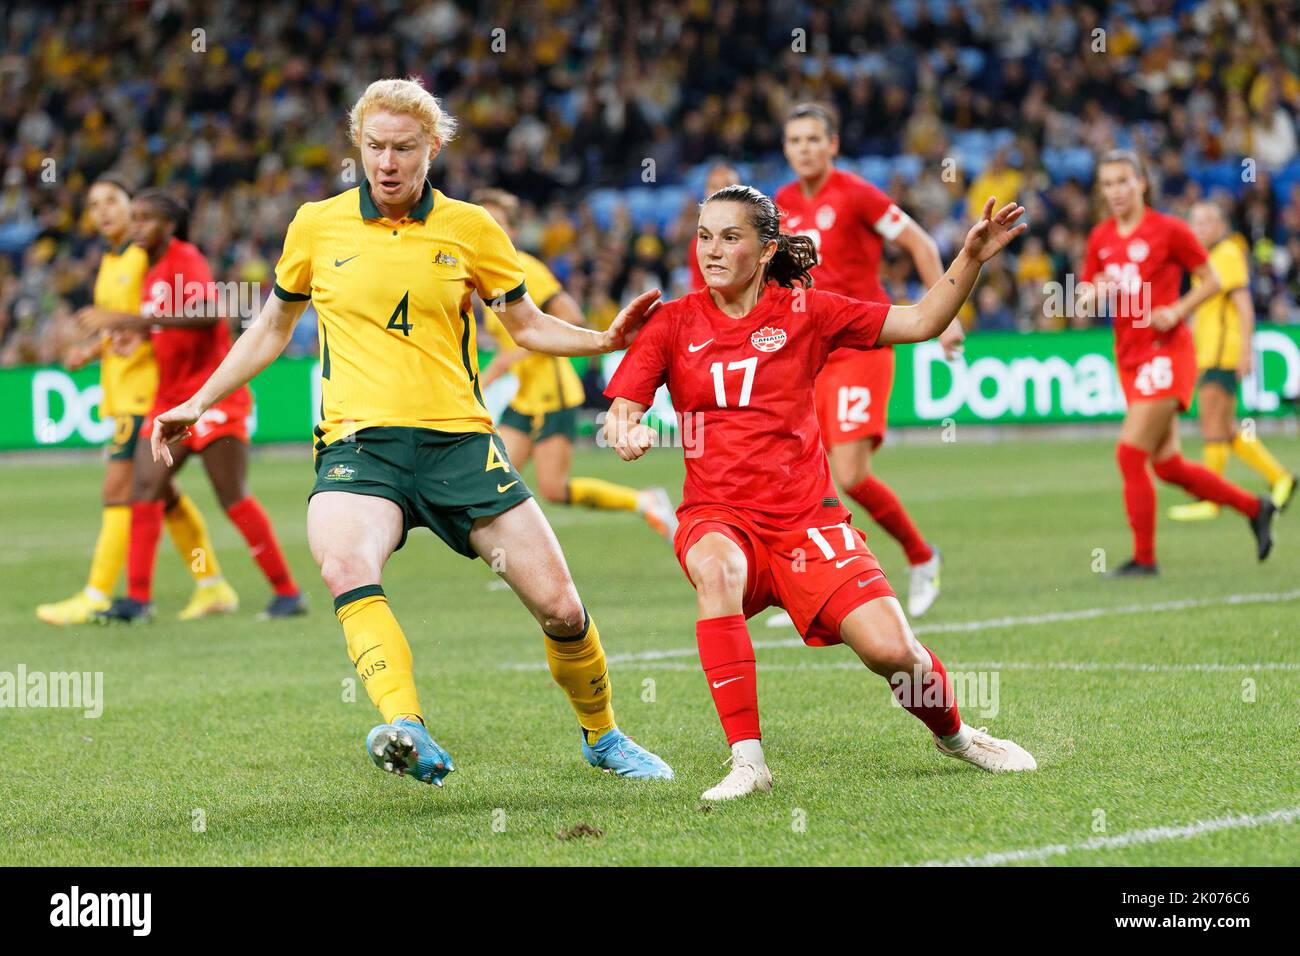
column 405, row 440
column 541, row 420
column 1134, row 263
column 1222, row 329
column 848, row 221
column 128, row 375
column 189, row 338
column 760, row 522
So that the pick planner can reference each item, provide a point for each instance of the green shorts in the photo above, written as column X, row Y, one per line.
column 442, row 481
column 1225, row 378
column 126, row 431
column 538, row 427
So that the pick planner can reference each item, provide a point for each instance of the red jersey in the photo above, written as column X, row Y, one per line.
column 179, row 283
column 1152, row 257
column 747, row 385
column 848, row 219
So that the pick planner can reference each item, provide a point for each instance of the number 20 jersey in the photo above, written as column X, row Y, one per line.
column 743, row 392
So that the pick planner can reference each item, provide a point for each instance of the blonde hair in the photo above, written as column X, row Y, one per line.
column 503, row 200
column 404, row 96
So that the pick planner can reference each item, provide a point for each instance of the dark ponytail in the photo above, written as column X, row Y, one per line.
column 171, row 209
column 795, row 255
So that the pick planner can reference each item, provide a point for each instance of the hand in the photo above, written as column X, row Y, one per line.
column 625, row 325
column 1165, row 317
column 991, row 234
column 1247, row 363
column 172, row 426
column 125, row 341
column 952, row 339
column 79, row 356
column 632, row 443
column 92, row 318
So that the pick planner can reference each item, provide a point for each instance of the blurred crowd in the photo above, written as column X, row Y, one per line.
column 240, row 107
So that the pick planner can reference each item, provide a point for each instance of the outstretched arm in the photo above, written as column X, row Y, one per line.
column 253, row 351
column 920, row 245
column 939, row 306
column 535, row 330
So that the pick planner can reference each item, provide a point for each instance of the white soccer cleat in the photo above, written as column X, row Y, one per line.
column 990, row 753
column 923, row 586
column 745, row 778
column 657, row 509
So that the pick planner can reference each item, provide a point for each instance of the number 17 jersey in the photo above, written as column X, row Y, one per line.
column 743, row 392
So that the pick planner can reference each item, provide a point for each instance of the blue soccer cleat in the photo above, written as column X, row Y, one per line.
column 405, row 747
column 616, row 752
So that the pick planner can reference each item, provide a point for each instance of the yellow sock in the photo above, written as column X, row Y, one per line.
column 1254, row 454
column 189, row 532
column 596, row 493
column 1215, row 455
column 378, row 650
column 110, row 549
column 578, row 665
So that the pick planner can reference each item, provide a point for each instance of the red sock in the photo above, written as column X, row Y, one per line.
column 247, row 515
column 1206, row 485
column 931, row 699
column 727, row 656
column 888, row 512
column 1139, row 501
column 146, row 529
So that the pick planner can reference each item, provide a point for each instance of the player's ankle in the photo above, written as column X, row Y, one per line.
column 750, row 751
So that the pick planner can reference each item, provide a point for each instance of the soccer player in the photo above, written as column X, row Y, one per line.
column 1223, row 328
column 541, row 421
column 189, row 338
column 128, row 376
column 848, row 221
column 405, row 440
column 1134, row 263
column 761, row 524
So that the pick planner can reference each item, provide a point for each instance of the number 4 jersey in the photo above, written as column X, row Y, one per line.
column 743, row 392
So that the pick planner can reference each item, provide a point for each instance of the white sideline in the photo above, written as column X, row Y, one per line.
column 1131, row 838
column 1136, row 666
column 969, row 626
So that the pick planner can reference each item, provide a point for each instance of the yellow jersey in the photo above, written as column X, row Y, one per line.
column 547, row 383
column 392, row 300
column 1217, row 328
column 129, row 381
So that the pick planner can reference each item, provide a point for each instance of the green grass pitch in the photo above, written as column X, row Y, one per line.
column 230, row 741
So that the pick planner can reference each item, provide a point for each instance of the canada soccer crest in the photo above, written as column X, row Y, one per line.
column 768, row 339
column 825, row 217
column 1138, row 250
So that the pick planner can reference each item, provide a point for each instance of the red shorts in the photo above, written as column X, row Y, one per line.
column 1169, row 373
column 817, row 579
column 229, row 417
column 852, row 396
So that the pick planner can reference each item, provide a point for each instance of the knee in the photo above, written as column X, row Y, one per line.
column 898, row 654
column 554, row 490
column 344, row 571
column 850, row 475
column 563, row 615
column 719, row 576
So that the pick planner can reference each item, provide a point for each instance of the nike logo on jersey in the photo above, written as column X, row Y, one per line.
column 696, row 348
column 343, row 262
column 502, row 489
column 840, row 564
column 863, row 584
column 724, row 683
